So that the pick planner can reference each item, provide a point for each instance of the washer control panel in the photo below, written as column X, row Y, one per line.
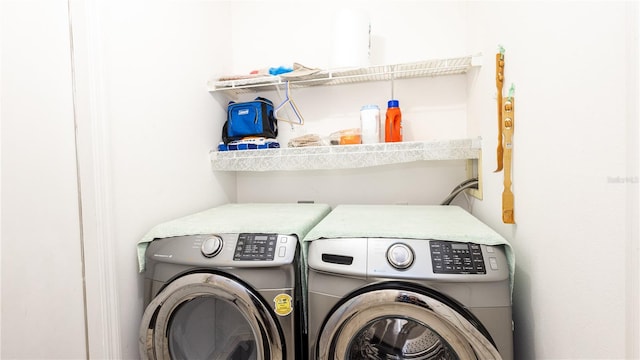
column 256, row 247
column 449, row 257
column 224, row 250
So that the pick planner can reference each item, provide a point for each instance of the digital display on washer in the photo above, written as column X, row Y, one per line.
column 255, row 247
column 449, row 257
column 456, row 246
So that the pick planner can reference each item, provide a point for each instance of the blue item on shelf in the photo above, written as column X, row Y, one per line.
column 280, row 70
column 249, row 144
column 251, row 118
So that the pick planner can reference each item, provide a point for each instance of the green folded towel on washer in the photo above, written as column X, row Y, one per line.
column 450, row 223
column 285, row 218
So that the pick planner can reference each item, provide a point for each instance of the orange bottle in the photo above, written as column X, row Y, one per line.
column 393, row 122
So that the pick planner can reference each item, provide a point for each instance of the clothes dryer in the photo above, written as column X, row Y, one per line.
column 227, row 284
column 408, row 282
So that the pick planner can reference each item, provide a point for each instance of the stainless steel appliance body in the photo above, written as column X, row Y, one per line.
column 222, row 296
column 390, row 298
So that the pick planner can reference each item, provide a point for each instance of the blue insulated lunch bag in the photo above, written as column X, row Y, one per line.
column 253, row 118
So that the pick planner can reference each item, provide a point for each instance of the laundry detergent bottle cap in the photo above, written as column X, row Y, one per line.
column 393, row 122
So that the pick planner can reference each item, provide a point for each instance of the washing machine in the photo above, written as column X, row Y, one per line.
column 408, row 282
column 226, row 283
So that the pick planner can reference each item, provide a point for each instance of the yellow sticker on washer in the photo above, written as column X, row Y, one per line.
column 283, row 304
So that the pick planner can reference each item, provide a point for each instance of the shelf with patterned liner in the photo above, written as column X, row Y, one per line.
column 345, row 156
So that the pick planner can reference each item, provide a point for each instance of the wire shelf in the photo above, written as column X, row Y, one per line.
column 429, row 68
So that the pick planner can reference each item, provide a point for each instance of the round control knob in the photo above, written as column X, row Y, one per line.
column 211, row 246
column 400, row 256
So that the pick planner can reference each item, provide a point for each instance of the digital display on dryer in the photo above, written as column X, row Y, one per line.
column 255, row 247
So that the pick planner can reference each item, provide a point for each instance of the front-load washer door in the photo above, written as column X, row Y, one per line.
column 398, row 324
column 209, row 316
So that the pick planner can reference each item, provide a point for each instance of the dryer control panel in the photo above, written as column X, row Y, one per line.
column 448, row 257
column 256, row 247
column 418, row 259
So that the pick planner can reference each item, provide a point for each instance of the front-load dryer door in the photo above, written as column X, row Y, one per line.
column 209, row 316
column 402, row 324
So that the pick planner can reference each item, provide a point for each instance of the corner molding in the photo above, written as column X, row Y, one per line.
column 95, row 174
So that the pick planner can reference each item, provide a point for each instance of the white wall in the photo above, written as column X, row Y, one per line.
column 156, row 58
column 435, row 108
column 436, row 111
column 574, row 135
column 569, row 64
column 147, row 123
column 42, row 301
column 633, row 197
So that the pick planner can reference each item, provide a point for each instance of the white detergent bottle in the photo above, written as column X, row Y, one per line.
column 370, row 124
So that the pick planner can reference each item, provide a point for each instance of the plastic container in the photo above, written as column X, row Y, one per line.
column 393, row 122
column 346, row 137
column 370, row 124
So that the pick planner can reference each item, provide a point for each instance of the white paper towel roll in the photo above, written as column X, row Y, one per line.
column 351, row 39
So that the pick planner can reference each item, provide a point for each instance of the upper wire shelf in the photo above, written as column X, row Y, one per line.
column 435, row 67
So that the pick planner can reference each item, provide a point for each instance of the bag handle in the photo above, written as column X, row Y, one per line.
column 259, row 98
